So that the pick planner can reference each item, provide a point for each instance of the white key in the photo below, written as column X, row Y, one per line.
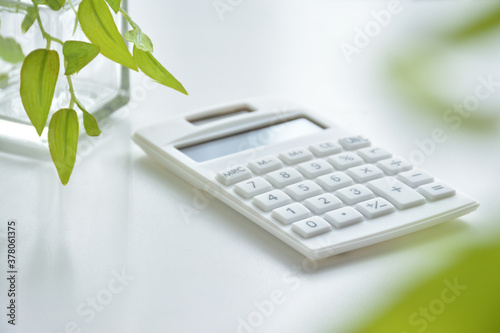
column 374, row 154
column 251, row 187
column 296, row 155
column 375, row 207
column 303, row 190
column 354, row 194
column 314, row 168
column 343, row 217
column 265, row 164
column 284, row 177
column 400, row 195
column 334, row 181
column 395, row 165
column 323, row 203
column 234, row 175
column 354, row 142
column 325, row 148
column 310, row 227
column 291, row 213
column 345, row 160
column 271, row 200
column 415, row 177
column 364, row 173
column 436, row 191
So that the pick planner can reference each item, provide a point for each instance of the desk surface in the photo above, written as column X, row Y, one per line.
column 129, row 247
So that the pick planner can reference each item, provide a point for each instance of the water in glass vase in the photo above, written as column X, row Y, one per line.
column 102, row 86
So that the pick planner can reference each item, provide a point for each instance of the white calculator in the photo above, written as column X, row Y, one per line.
column 312, row 184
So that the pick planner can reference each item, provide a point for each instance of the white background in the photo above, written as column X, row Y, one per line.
column 205, row 270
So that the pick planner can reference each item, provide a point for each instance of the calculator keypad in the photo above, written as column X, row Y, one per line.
column 331, row 185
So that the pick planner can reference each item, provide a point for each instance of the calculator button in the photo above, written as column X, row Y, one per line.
column 354, row 194
column 374, row 154
column 400, row 195
column 334, row 181
column 314, row 168
column 343, row 217
column 265, row 164
column 436, row 191
column 325, row 148
column 271, row 200
column 296, row 155
column 415, row 177
column 303, row 190
column 354, row 142
column 323, row 203
column 291, row 213
column 393, row 166
column 345, row 160
column 251, row 187
column 284, row 177
column 311, row 227
column 375, row 208
column 234, row 175
column 364, row 173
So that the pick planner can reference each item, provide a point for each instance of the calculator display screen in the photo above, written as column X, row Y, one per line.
column 251, row 139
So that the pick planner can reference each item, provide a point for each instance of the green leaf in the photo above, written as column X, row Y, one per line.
column 10, row 50
column 114, row 4
column 89, row 122
column 38, row 82
column 56, row 4
column 77, row 55
column 28, row 20
column 141, row 40
column 152, row 68
column 464, row 297
column 63, row 142
column 100, row 28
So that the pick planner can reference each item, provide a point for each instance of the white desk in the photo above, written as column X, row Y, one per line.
column 192, row 264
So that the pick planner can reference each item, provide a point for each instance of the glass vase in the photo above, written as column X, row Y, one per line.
column 102, row 86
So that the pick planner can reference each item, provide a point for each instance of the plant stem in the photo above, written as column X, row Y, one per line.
column 129, row 19
column 45, row 35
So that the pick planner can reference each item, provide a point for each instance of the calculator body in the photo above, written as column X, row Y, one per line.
column 211, row 149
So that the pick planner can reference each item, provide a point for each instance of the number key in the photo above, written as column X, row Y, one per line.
column 315, row 168
column 271, row 200
column 323, row 203
column 334, row 181
column 291, row 213
column 354, row 194
column 284, row 177
column 303, row 190
column 250, row 188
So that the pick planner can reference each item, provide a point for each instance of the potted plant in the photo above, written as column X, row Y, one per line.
column 55, row 65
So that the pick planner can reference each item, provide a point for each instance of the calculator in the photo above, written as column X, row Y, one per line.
column 311, row 183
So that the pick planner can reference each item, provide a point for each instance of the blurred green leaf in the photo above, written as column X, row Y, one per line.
column 462, row 298
column 55, row 4
column 10, row 50
column 483, row 24
column 63, row 142
column 38, row 82
column 114, row 4
column 152, row 68
column 4, row 80
column 100, row 28
column 28, row 20
column 140, row 39
column 78, row 55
